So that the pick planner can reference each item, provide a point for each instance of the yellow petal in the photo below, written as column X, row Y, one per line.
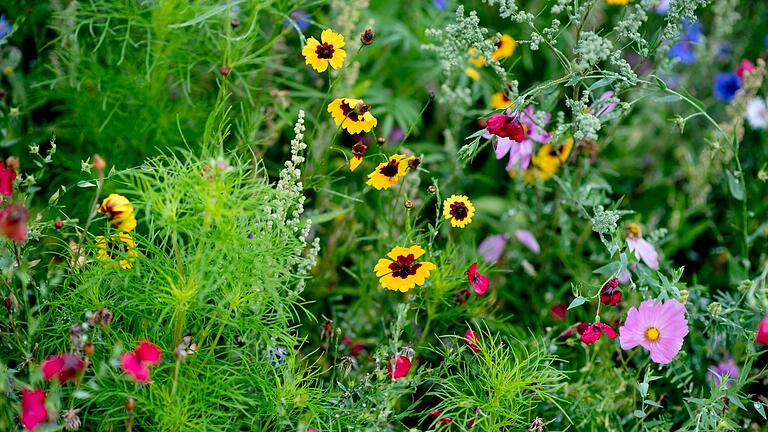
column 382, row 267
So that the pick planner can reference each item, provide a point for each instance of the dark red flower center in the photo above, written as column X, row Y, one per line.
column 324, row 51
column 404, row 266
column 391, row 169
column 354, row 113
column 116, row 248
column 459, row 211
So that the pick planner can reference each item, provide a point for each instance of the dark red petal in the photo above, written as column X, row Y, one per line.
column 581, row 328
column 608, row 330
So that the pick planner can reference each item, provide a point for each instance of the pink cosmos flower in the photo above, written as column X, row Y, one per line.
column 642, row 249
column 136, row 363
column 7, row 176
column 63, row 367
column 528, row 240
column 402, row 365
column 744, row 67
column 33, row 410
column 762, row 332
column 478, row 282
column 657, row 327
column 603, row 106
column 591, row 332
column 470, row 337
column 725, row 371
column 521, row 150
column 13, row 222
column 492, row 248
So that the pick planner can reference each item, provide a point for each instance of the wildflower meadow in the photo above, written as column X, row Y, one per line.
column 383, row 215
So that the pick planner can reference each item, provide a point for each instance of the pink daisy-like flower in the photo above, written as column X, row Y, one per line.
column 642, row 249
column 478, row 281
column 136, row 363
column 591, row 332
column 603, row 106
column 657, row 327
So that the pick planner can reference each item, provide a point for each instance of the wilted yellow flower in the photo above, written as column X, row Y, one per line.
column 387, row 173
column 119, row 211
column 402, row 272
column 328, row 52
column 459, row 210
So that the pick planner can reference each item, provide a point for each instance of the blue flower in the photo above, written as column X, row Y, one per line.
column 277, row 355
column 683, row 49
column 5, row 26
column 300, row 17
column 726, row 86
column 440, row 4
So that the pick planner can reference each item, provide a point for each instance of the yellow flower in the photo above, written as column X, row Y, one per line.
column 320, row 55
column 618, row 2
column 352, row 114
column 119, row 211
column 499, row 100
column 476, row 59
column 459, row 210
column 402, row 272
column 505, row 47
column 547, row 161
column 472, row 73
column 387, row 173
column 355, row 162
column 119, row 246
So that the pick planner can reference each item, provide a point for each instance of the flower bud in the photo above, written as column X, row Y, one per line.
column 380, row 140
column 225, row 70
column 98, row 163
column 235, row 23
column 414, row 163
column 431, row 189
column 684, row 296
column 58, row 224
column 408, row 204
column 89, row 349
column 715, row 308
column 366, row 37
column 130, row 404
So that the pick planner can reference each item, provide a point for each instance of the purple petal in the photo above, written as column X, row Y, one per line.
column 528, row 240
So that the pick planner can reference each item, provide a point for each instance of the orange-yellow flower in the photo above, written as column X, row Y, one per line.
column 352, row 114
column 403, row 272
column 505, row 47
column 459, row 210
column 326, row 52
column 387, row 173
column 120, row 247
column 119, row 211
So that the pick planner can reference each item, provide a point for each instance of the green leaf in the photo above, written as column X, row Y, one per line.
column 660, row 82
column 611, row 268
column 578, row 301
column 638, row 414
column 735, row 185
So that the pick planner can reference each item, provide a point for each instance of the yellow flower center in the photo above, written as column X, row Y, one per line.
column 652, row 334
column 633, row 230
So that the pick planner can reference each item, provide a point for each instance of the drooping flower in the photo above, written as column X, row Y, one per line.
column 119, row 246
column 63, row 367
column 5, row 26
column 610, row 294
column 492, row 248
column 119, row 211
column 7, row 177
column 726, row 372
column 683, row 50
column 470, row 337
column 354, row 115
column 762, row 332
column 591, row 332
column 477, row 281
column 13, row 222
column 137, row 362
column 528, row 240
column 505, row 47
column 387, row 173
column 657, row 327
column 744, row 66
column 499, row 100
column 641, row 247
column 521, row 153
column 506, row 126
column 358, row 151
column 403, row 272
column 326, row 52
column 757, row 113
column 559, row 311
column 402, row 365
column 459, row 210
column 726, row 86
column 33, row 410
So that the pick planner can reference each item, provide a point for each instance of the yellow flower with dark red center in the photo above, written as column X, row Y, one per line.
column 352, row 114
column 499, row 101
column 387, row 173
column 505, row 47
column 120, row 247
column 326, row 52
column 547, row 161
column 401, row 271
column 119, row 211
column 459, row 210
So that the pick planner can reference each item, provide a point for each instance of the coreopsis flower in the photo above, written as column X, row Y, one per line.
column 398, row 366
column 118, row 246
column 726, row 86
column 33, row 410
column 403, row 272
column 459, row 210
column 63, row 367
column 745, row 66
column 641, row 247
column 358, row 151
column 757, row 113
column 499, row 100
column 724, row 372
column 119, row 211
column 475, row 59
column 477, row 281
column 492, row 248
column 471, row 338
column 528, row 240
column 137, row 362
column 762, row 332
column 7, row 177
column 366, row 37
column 547, row 161
column 591, row 332
column 505, row 47
column 352, row 114
column 326, row 52
column 387, row 173
column 657, row 327
column 610, row 294
column 13, row 222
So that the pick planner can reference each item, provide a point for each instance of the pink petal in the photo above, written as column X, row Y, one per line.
column 147, row 352
column 502, row 147
column 52, row 366
column 528, row 240
column 133, row 367
column 33, row 410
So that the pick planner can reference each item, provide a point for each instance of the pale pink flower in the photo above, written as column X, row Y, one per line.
column 641, row 247
column 492, row 248
column 603, row 106
column 528, row 240
column 657, row 327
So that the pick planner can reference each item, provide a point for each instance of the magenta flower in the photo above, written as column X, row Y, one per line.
column 726, row 371
column 33, row 410
column 402, row 365
column 492, row 248
column 521, row 150
column 506, row 126
column 136, row 363
column 591, row 332
column 528, row 240
column 762, row 332
column 477, row 281
column 657, row 327
column 63, row 367
column 642, row 249
column 470, row 337
column 745, row 66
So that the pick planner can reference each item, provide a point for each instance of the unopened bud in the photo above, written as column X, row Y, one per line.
column 684, row 296
column 8, row 303
column 715, row 308
column 408, row 204
column 414, row 163
column 235, row 23
column 380, row 140
column 431, row 189
column 58, row 224
column 130, row 404
column 98, row 163
column 225, row 70
column 89, row 349
column 366, row 37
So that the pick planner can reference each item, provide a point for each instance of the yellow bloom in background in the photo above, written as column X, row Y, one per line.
column 618, row 2
column 119, row 211
column 403, row 272
column 352, row 114
column 505, row 47
column 459, row 210
column 327, row 52
column 355, row 162
column 499, row 101
column 476, row 59
column 119, row 246
column 472, row 73
column 387, row 173
column 547, row 161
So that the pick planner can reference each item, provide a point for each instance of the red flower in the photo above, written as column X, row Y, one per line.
column 744, row 67
column 478, row 282
column 7, row 176
column 610, row 294
column 33, row 410
column 444, row 420
column 355, row 347
column 402, row 366
column 506, row 126
column 13, row 222
column 63, row 367
column 471, row 338
column 136, row 363
column 591, row 332
column 559, row 311
column 762, row 332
